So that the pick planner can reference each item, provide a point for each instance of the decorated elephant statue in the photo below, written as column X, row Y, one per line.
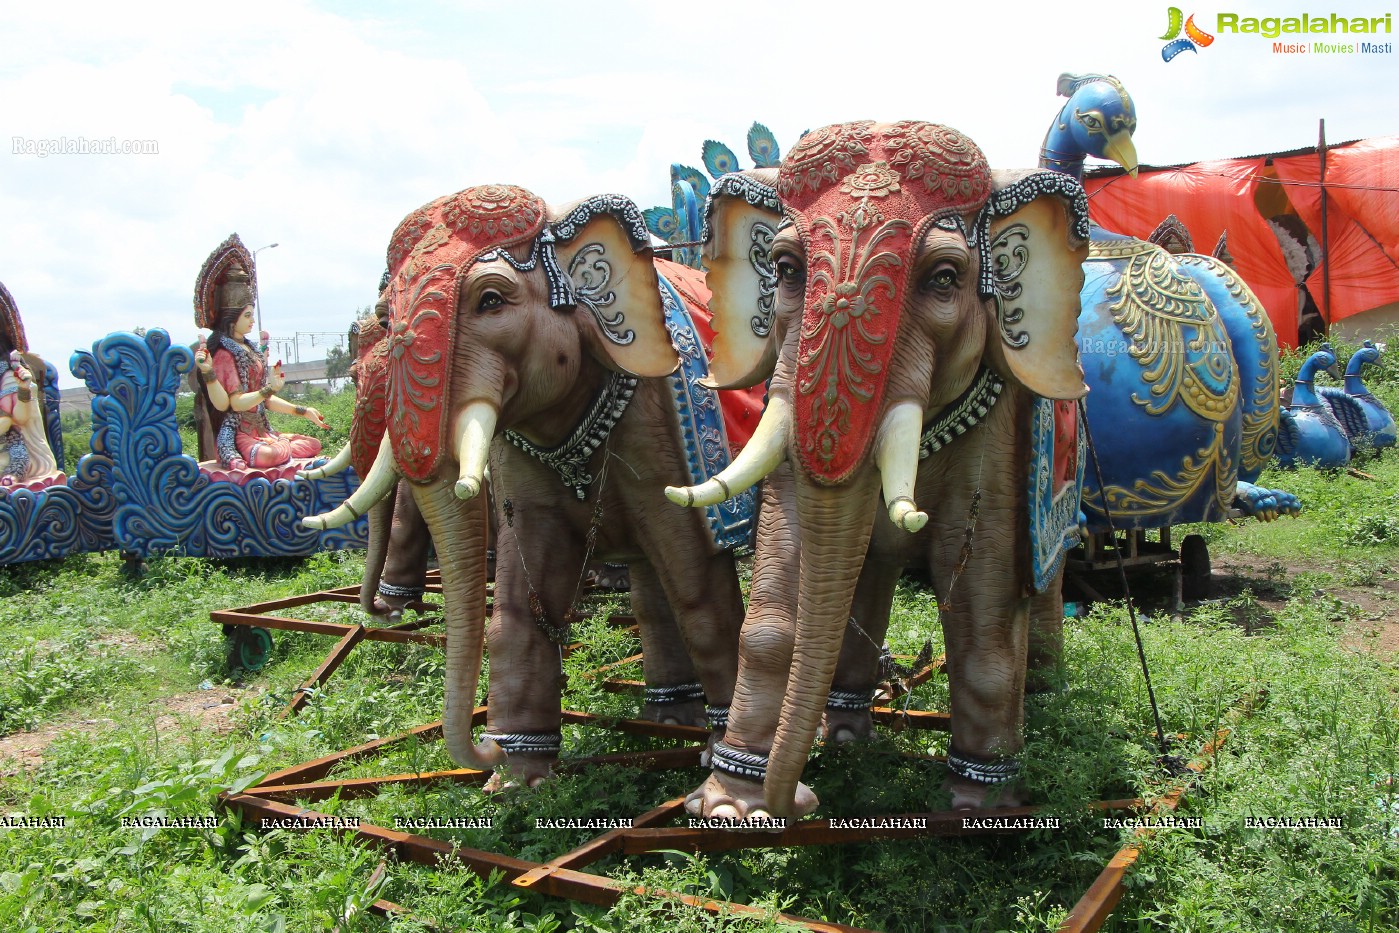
column 915, row 313
column 547, row 344
column 1180, row 357
column 396, row 554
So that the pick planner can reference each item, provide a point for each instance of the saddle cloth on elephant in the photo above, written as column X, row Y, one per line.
column 714, row 425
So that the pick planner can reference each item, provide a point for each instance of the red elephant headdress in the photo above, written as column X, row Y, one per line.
column 429, row 251
column 861, row 195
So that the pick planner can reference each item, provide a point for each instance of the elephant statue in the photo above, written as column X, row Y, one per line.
column 1176, row 339
column 396, row 555
column 541, row 352
column 915, row 312
column 1316, row 429
column 1378, row 432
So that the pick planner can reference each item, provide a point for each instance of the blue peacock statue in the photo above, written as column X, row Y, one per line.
column 1379, row 430
column 1176, row 339
column 683, row 221
column 1313, row 430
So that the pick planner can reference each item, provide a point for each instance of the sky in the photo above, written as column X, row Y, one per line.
column 318, row 126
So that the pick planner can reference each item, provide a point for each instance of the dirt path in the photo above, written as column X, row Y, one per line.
column 208, row 710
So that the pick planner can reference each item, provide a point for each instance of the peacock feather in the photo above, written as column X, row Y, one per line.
column 719, row 159
column 762, row 147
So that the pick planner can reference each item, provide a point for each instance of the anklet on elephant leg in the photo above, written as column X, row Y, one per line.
column 669, row 696
column 531, row 743
column 735, row 763
column 995, row 772
column 850, row 700
column 717, row 717
column 401, row 592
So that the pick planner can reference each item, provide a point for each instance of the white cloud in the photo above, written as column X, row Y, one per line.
column 316, row 130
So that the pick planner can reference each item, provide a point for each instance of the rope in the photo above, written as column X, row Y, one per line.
column 1170, row 762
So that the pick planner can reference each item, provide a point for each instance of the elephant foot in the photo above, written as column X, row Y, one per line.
column 689, row 713
column 614, row 577
column 521, row 771
column 387, row 609
column 844, row 725
column 972, row 795
column 725, row 797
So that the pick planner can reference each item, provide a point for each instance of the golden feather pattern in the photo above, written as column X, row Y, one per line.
column 1175, row 337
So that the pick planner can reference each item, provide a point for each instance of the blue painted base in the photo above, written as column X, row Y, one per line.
column 163, row 502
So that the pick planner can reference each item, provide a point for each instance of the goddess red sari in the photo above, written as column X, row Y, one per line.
column 246, row 439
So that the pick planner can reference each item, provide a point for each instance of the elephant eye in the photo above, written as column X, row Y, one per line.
column 941, row 279
column 490, row 301
column 790, row 272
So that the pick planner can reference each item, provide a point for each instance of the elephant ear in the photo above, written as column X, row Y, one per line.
column 741, row 218
column 605, row 254
column 1034, row 239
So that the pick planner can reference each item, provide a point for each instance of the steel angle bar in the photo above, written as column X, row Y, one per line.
column 601, row 846
column 824, row 832
column 403, row 846
column 656, row 730
column 321, row 674
column 358, row 788
column 320, row 767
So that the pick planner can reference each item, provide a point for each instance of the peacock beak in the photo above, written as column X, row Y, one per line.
column 1121, row 151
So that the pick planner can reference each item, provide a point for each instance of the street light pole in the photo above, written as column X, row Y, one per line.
column 257, row 295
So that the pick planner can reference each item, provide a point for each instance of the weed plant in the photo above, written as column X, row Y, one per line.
column 101, row 662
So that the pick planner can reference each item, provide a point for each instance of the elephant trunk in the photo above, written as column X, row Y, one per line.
column 377, row 550
column 459, row 530
column 836, row 523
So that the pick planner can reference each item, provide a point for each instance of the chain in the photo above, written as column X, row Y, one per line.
column 558, row 634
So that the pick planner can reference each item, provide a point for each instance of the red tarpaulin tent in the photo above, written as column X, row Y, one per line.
column 1271, row 206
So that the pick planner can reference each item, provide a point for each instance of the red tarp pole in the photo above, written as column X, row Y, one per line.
column 1325, row 241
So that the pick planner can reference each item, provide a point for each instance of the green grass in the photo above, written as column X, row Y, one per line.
column 98, row 657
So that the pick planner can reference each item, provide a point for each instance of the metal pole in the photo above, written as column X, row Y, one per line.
column 1325, row 240
column 257, row 295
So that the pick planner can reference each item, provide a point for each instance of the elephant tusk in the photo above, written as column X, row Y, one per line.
column 382, row 478
column 336, row 464
column 1121, row 150
column 759, row 457
column 471, row 439
column 896, row 455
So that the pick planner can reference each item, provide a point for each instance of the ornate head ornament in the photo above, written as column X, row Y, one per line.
column 226, row 280
column 10, row 323
column 861, row 196
column 430, row 250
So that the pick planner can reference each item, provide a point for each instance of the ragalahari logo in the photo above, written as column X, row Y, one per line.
column 1194, row 35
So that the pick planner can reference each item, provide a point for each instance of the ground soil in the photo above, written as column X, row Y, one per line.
column 205, row 710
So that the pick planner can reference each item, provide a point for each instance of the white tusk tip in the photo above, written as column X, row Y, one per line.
column 314, row 522
column 913, row 522
column 467, row 489
column 680, row 495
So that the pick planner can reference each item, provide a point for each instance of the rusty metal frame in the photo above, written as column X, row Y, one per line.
column 283, row 795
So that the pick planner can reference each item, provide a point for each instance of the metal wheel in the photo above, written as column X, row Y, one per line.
column 251, row 646
column 1194, row 568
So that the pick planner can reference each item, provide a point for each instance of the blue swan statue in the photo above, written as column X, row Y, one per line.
column 1181, row 359
column 1310, row 434
column 1378, row 431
